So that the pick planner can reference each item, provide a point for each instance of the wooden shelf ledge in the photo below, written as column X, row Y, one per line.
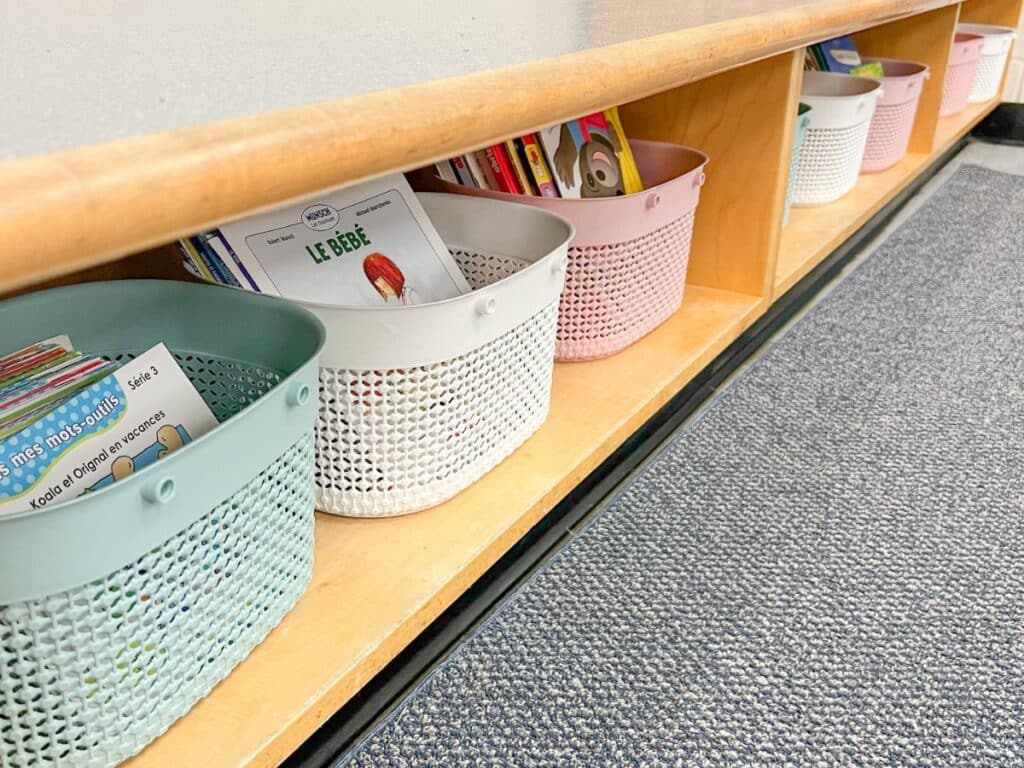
column 78, row 208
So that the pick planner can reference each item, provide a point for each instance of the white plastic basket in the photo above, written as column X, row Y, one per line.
column 833, row 148
column 994, row 53
column 417, row 403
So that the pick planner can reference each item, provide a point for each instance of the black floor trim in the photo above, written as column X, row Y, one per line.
column 434, row 643
column 1004, row 125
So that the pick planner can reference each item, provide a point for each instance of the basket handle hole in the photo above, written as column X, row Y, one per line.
column 486, row 306
column 653, row 201
column 299, row 395
column 160, row 491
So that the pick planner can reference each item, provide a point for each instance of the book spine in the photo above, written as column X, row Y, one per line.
column 490, row 180
column 631, row 180
column 462, row 171
column 218, row 244
column 501, row 170
column 538, row 166
column 196, row 260
column 525, row 184
column 446, row 172
column 479, row 179
column 213, row 261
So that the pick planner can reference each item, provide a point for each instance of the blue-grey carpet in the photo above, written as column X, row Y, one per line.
column 826, row 568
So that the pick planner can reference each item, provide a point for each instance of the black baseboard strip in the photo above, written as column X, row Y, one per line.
column 1003, row 125
column 388, row 687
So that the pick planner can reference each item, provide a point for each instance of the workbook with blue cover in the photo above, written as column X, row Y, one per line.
column 107, row 430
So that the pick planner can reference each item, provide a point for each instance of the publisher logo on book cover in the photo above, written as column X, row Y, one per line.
column 320, row 216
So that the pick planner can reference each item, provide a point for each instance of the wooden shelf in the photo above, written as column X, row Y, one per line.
column 78, row 207
column 377, row 583
column 723, row 77
column 813, row 233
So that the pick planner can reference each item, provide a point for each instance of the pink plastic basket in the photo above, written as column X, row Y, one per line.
column 889, row 135
column 627, row 263
column 963, row 65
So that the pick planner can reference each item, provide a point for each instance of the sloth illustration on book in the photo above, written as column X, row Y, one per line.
column 588, row 145
column 387, row 279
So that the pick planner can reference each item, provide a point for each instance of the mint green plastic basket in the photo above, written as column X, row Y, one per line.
column 121, row 609
column 802, row 121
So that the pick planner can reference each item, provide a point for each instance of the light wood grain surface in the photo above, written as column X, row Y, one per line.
column 923, row 39
column 743, row 120
column 813, row 233
column 75, row 209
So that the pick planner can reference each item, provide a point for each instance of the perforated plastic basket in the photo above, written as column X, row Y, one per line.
column 833, row 150
column 803, row 119
column 122, row 608
column 995, row 50
column 627, row 263
column 893, row 122
column 417, row 403
column 964, row 57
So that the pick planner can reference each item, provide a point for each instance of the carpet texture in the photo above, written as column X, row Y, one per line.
column 826, row 568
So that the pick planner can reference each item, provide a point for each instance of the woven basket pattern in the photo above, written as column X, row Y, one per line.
column 397, row 441
column 889, row 135
column 617, row 293
column 988, row 77
column 90, row 676
column 794, row 163
column 829, row 164
column 956, row 88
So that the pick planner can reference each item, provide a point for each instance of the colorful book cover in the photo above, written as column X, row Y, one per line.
column 870, row 69
column 117, row 425
column 525, row 183
column 584, row 158
column 476, row 170
column 630, row 174
column 363, row 245
column 501, row 169
column 839, row 54
column 534, row 159
column 465, row 177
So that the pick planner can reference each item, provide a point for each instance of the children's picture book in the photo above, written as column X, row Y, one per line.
column 38, row 378
column 522, row 175
column 630, row 174
column 839, row 55
column 533, row 157
column 462, row 171
column 367, row 245
column 446, row 172
column 476, row 170
column 500, row 169
column 128, row 419
column 584, row 158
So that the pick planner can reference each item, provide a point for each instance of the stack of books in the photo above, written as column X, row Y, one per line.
column 840, row 55
column 41, row 377
column 583, row 158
